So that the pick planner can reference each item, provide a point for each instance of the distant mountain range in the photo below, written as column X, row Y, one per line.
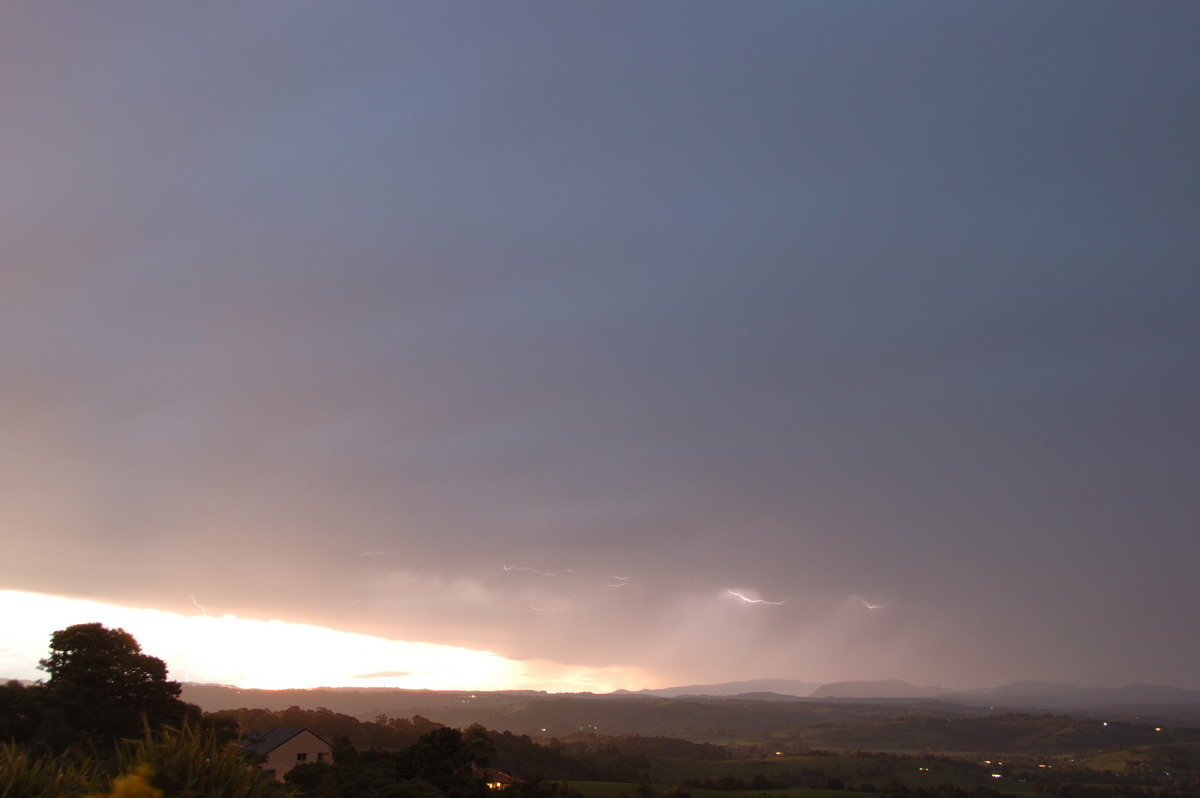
column 786, row 688
column 1023, row 694
column 755, row 704
column 887, row 688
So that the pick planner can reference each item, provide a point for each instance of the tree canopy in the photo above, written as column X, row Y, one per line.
column 103, row 688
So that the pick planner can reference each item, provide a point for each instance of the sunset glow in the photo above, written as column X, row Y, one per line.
column 273, row 654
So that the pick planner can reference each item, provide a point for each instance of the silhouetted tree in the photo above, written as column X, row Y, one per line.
column 103, row 688
column 479, row 744
column 21, row 711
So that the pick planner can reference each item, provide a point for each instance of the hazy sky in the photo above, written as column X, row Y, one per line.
column 842, row 340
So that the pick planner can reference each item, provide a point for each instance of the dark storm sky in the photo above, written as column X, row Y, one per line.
column 542, row 327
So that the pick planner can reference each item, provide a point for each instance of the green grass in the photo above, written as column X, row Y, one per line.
column 1169, row 756
column 604, row 789
column 851, row 770
column 612, row 789
column 24, row 774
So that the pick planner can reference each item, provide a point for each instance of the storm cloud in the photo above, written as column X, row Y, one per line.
column 540, row 328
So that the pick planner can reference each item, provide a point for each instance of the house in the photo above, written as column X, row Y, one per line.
column 494, row 779
column 283, row 748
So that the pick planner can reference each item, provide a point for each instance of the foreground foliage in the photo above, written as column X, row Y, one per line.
column 25, row 774
column 167, row 763
column 101, row 689
column 75, row 737
column 189, row 762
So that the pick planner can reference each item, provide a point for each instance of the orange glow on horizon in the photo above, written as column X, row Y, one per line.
column 276, row 655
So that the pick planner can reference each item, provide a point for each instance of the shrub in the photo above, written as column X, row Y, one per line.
column 187, row 762
column 24, row 774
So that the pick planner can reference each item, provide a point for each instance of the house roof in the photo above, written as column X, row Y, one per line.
column 492, row 775
column 264, row 742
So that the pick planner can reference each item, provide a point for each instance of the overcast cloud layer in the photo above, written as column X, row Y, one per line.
column 811, row 340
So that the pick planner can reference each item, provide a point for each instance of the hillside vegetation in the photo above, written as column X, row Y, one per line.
column 58, row 740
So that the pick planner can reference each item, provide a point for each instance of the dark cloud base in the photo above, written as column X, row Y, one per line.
column 541, row 330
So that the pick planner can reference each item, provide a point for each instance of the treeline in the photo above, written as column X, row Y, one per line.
column 585, row 756
column 457, row 764
column 108, row 718
column 442, row 762
column 1013, row 732
column 383, row 732
column 108, row 722
column 101, row 689
column 649, row 745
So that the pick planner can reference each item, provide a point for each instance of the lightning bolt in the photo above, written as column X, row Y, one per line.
column 187, row 672
column 507, row 567
column 749, row 600
column 869, row 605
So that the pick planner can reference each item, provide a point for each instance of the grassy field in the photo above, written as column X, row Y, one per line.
column 1173, row 756
column 610, row 789
column 799, row 776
